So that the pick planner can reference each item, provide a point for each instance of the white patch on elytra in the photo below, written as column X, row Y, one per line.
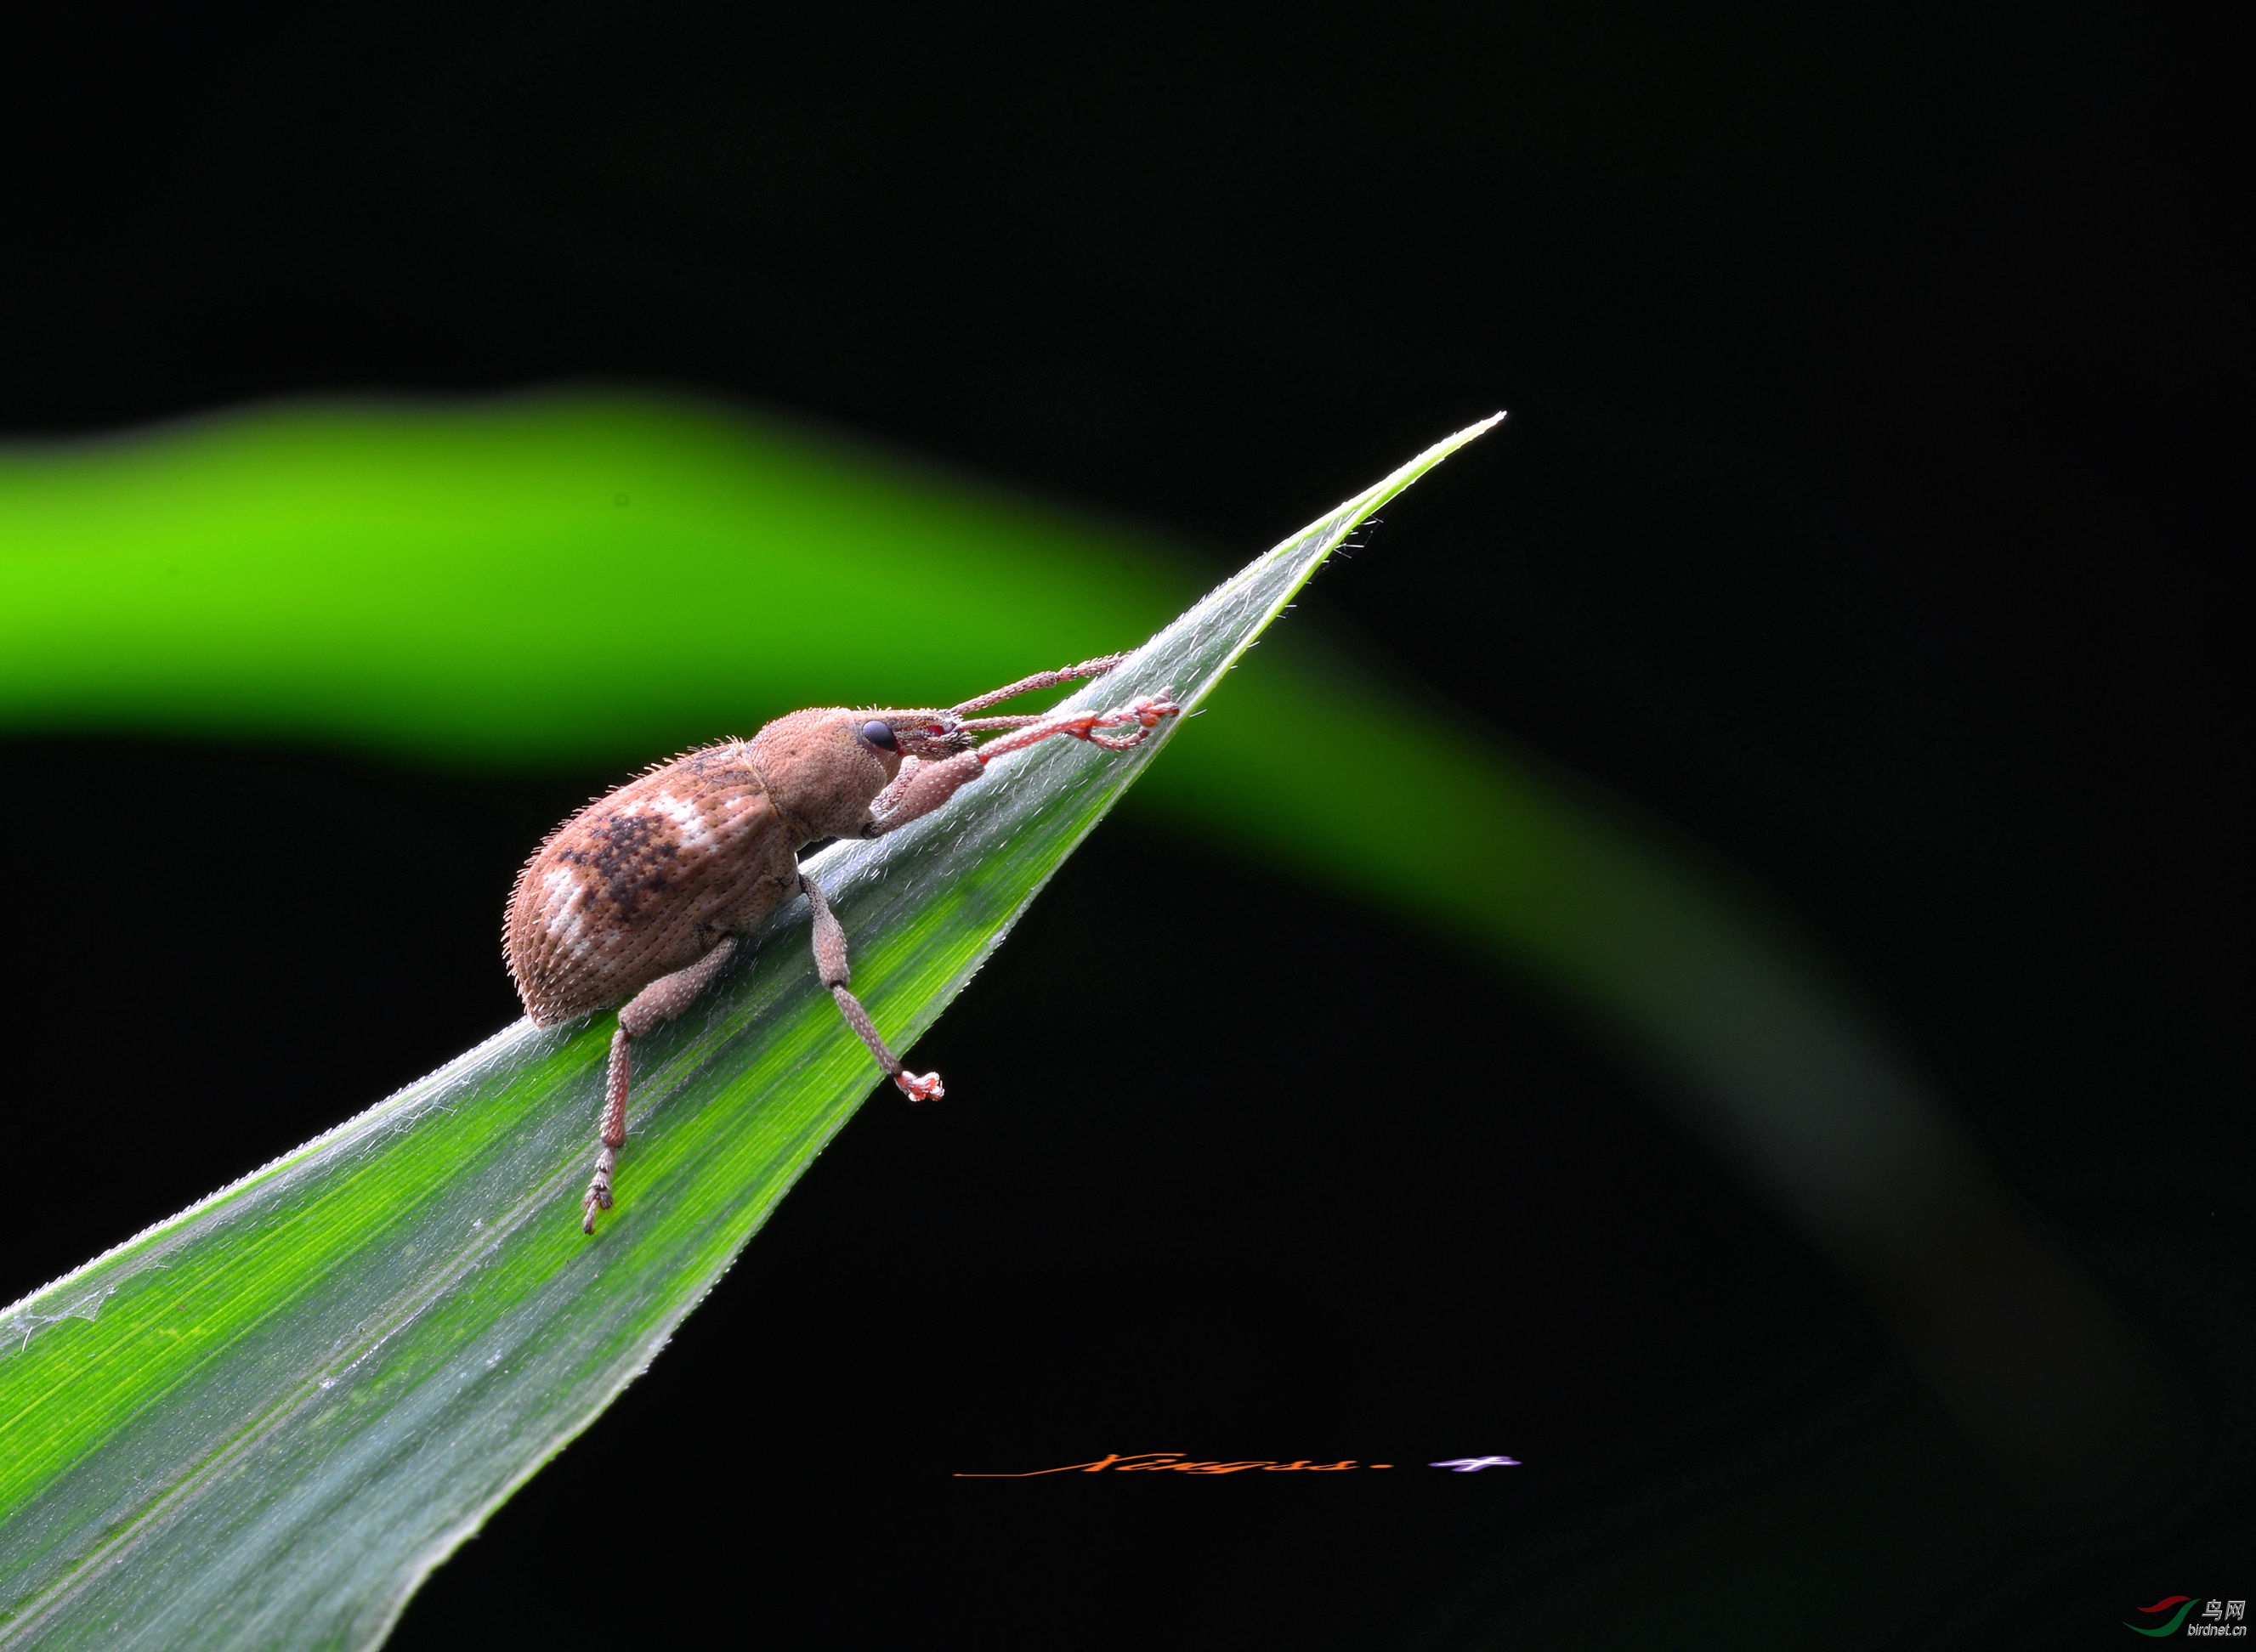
column 562, row 909
column 688, row 820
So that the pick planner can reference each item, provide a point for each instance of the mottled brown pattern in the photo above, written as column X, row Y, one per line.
column 646, row 882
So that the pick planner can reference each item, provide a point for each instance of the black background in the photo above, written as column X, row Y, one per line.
column 1877, row 460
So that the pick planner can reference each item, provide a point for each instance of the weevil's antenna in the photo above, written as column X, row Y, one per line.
column 1028, row 685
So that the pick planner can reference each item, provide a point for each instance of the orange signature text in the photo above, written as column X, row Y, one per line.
column 1177, row 1462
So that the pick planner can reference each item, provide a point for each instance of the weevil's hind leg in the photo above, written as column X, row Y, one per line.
column 831, row 963
column 660, row 1002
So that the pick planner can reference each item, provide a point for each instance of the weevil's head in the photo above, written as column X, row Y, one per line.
column 929, row 735
column 824, row 766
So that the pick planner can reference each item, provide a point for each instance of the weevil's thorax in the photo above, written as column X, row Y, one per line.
column 820, row 772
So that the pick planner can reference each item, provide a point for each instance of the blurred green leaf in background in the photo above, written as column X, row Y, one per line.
column 557, row 581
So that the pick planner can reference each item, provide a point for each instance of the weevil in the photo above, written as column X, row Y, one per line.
column 643, row 896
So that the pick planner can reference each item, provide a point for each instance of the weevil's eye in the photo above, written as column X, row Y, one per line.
column 880, row 735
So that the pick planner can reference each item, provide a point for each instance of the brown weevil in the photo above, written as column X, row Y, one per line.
column 640, row 898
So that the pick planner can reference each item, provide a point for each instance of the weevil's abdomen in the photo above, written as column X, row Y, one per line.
column 645, row 882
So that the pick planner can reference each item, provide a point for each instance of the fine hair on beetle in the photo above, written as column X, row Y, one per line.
column 642, row 898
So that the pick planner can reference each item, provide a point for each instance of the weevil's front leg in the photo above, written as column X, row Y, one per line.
column 1087, row 669
column 1139, row 716
column 660, row 1002
column 922, row 787
column 831, row 963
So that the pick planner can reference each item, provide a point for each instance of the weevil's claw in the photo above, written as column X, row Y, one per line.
column 920, row 1087
column 1150, row 708
column 598, row 1196
column 1144, row 712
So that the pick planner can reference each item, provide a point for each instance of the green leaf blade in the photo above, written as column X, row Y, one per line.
column 264, row 1421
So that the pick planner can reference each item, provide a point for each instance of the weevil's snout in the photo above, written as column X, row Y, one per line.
column 941, row 734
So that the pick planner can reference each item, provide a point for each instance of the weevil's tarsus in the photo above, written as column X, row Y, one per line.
column 920, row 1087
column 1143, row 713
column 598, row 1196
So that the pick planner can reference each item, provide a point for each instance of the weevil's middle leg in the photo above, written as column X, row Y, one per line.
column 830, row 964
column 655, row 1004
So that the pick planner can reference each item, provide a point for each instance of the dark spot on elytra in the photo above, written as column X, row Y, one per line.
column 629, row 860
